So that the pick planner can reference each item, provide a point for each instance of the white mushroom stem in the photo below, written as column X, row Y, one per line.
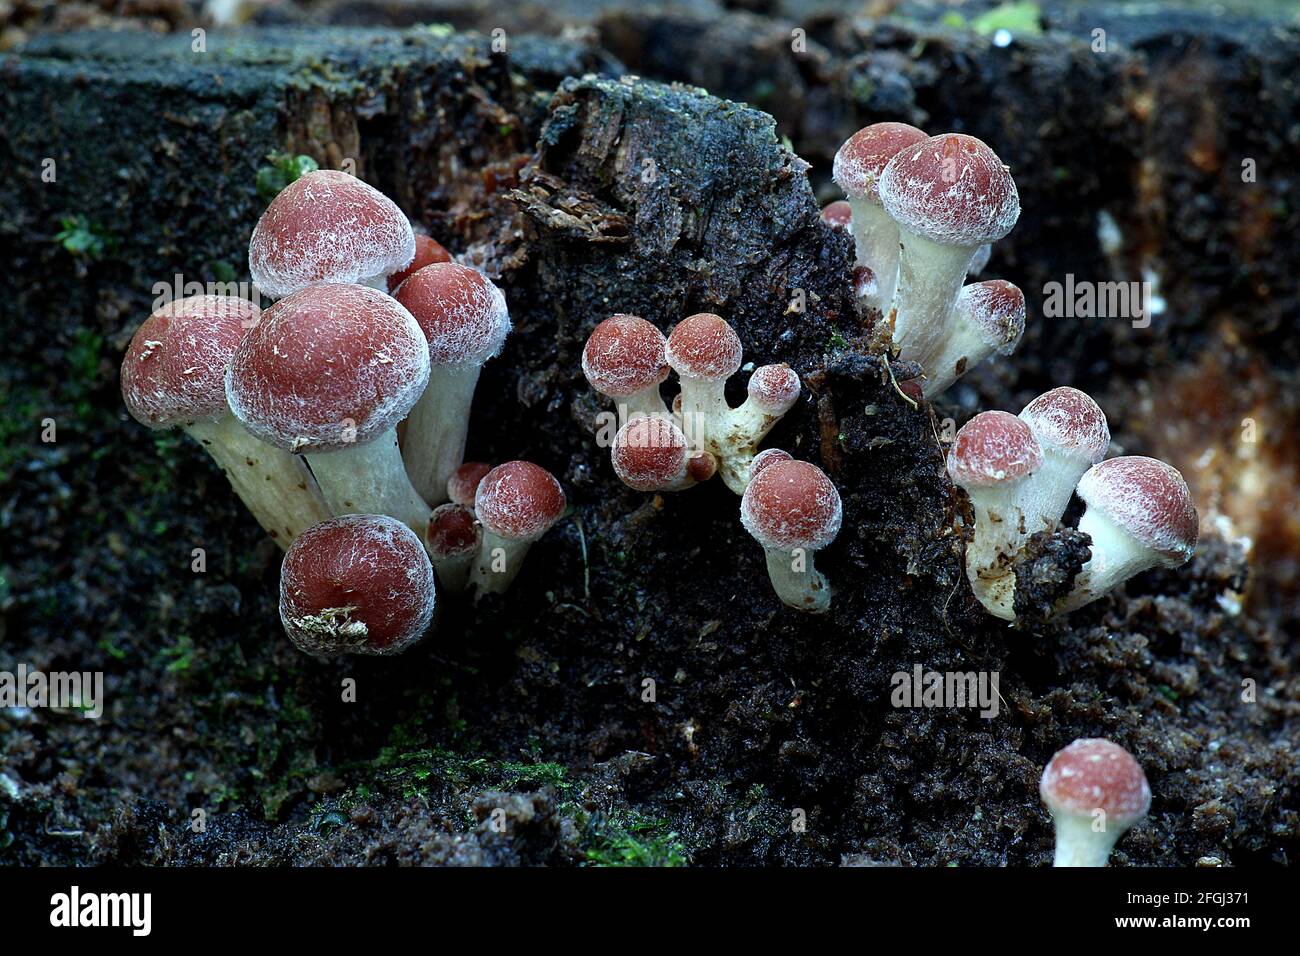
column 1000, row 531
column 875, row 237
column 737, row 442
column 965, row 346
column 930, row 277
column 434, row 438
column 1115, row 557
column 499, row 561
column 704, row 414
column 1078, row 844
column 1047, row 492
column 274, row 485
column 370, row 479
column 795, row 580
column 648, row 401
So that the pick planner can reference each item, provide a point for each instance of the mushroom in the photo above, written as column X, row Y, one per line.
column 857, row 169
column 328, row 373
column 516, row 502
column 463, row 483
column 328, row 226
column 624, row 360
column 454, row 539
column 773, row 391
column 838, row 215
column 949, row 195
column 356, row 584
column 1139, row 515
column 1096, row 792
column 988, row 317
column 766, row 457
column 993, row 458
column 463, row 315
column 1072, row 431
column 427, row 252
column 650, row 454
column 704, row 351
column 173, row 374
column 793, row 510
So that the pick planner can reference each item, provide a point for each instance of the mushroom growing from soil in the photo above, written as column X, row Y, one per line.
column 650, row 453
column 857, row 170
column 328, row 373
column 773, row 391
column 173, row 374
column 793, row 510
column 704, row 351
column 838, row 215
column 1140, row 515
column 989, row 317
column 517, row 503
column 949, row 195
column 464, row 317
column 993, row 458
column 1096, row 792
column 454, row 539
column 328, row 226
column 624, row 360
column 462, row 486
column 1072, row 431
column 356, row 584
column 427, row 252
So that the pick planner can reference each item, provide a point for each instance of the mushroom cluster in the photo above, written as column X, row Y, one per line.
column 1020, row 473
column 790, row 507
column 374, row 330
column 923, row 212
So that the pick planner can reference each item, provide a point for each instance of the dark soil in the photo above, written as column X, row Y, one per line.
column 640, row 697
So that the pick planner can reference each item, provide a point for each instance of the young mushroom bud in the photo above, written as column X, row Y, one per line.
column 838, row 215
column 462, row 486
column 773, row 391
column 766, row 457
column 704, row 351
column 1073, row 433
column 624, row 360
column 1096, row 792
column 857, row 169
column 356, row 584
column 464, row 317
column 993, row 458
column 173, row 374
column 949, row 195
column 454, row 540
column 328, row 226
column 650, row 454
column 988, row 317
column 793, row 510
column 516, row 502
column 328, row 373
column 427, row 252
column 1139, row 515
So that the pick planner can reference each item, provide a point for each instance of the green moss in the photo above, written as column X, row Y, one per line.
column 281, row 171
column 634, row 839
column 84, row 239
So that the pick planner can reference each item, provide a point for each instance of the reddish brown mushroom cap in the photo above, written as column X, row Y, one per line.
column 766, row 458
column 463, row 483
column 427, row 252
column 327, row 226
column 864, row 156
column 328, row 367
column 453, row 531
column 649, row 453
column 175, row 367
column 951, row 189
column 838, row 215
column 704, row 347
column 519, row 500
column 1148, row 500
column 774, row 388
column 461, row 312
column 996, row 310
column 791, row 504
column 1095, row 774
column 991, row 448
column 356, row 584
column 1070, row 421
column 624, row 355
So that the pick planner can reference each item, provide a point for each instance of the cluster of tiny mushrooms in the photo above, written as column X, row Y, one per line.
column 339, row 415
